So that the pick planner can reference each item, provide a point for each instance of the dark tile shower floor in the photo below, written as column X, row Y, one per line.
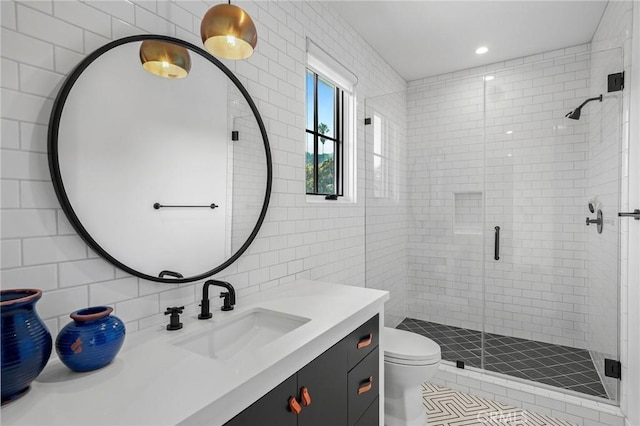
column 555, row 365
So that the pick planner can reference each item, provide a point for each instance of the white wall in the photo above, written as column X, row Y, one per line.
column 43, row 40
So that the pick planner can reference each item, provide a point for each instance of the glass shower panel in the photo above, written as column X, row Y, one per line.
column 386, row 201
column 445, row 238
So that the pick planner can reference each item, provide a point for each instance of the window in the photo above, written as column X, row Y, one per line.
column 330, row 149
column 325, row 137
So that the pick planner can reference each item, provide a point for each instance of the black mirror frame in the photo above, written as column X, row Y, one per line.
column 54, row 165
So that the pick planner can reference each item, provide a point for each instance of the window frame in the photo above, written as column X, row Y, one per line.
column 348, row 128
column 338, row 140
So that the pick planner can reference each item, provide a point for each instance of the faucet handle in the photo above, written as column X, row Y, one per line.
column 205, row 312
column 174, row 319
column 226, row 303
column 174, row 310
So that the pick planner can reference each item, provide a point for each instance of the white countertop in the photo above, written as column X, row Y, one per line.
column 154, row 382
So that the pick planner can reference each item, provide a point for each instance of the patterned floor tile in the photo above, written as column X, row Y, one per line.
column 555, row 365
column 446, row 407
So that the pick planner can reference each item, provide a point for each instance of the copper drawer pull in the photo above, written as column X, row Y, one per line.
column 365, row 342
column 294, row 406
column 305, row 397
column 366, row 387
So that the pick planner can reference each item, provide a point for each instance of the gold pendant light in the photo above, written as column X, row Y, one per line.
column 165, row 59
column 228, row 32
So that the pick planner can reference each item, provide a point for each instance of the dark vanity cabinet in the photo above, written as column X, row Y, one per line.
column 339, row 387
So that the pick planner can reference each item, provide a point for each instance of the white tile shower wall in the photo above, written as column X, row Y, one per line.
column 533, row 188
column 43, row 40
column 609, row 182
column 386, row 202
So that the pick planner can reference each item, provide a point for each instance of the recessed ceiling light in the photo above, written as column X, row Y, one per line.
column 509, row 132
column 488, row 77
column 482, row 50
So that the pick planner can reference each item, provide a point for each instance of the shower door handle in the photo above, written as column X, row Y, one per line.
column 496, row 246
column 634, row 214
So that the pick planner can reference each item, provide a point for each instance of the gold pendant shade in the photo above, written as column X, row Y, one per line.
column 165, row 59
column 228, row 32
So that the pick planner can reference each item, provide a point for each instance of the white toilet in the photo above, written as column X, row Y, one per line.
column 409, row 360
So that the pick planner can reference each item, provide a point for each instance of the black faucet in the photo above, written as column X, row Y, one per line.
column 229, row 297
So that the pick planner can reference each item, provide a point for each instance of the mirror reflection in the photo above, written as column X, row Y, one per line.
column 167, row 176
column 165, row 59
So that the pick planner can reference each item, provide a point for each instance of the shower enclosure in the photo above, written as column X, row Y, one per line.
column 478, row 187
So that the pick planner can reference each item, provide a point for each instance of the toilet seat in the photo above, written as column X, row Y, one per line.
column 406, row 348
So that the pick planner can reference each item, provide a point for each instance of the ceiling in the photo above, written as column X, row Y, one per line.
column 425, row 38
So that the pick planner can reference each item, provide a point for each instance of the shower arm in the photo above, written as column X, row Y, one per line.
column 597, row 98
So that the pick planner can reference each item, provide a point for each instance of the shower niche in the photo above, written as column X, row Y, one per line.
column 467, row 215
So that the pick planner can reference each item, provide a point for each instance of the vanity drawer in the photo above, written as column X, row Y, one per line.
column 362, row 341
column 371, row 416
column 363, row 386
column 272, row 409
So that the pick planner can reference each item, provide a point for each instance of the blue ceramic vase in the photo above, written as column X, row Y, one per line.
column 26, row 342
column 91, row 340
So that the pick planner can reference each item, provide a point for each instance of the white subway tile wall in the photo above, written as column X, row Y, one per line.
column 43, row 40
column 534, row 188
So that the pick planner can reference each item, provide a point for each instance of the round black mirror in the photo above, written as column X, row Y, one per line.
column 169, row 179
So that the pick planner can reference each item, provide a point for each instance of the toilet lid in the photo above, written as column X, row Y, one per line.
column 404, row 345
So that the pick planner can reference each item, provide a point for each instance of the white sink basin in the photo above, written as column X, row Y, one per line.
column 241, row 335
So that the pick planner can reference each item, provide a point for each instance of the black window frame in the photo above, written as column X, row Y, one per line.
column 338, row 141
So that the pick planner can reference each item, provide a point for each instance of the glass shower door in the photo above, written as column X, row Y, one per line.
column 551, row 306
